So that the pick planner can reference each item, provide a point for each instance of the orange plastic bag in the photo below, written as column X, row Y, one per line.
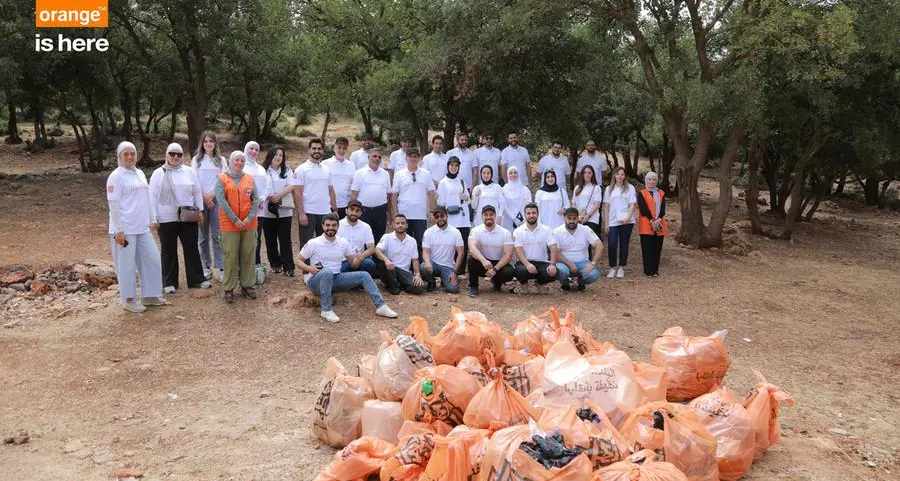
column 338, row 410
column 523, row 371
column 457, row 456
column 653, row 381
column 366, row 367
column 467, row 334
column 527, row 335
column 497, row 405
column 382, row 420
column 472, row 365
column 504, row 461
column 727, row 420
column 609, row 383
column 418, row 330
column 568, row 330
column 413, row 452
column 357, row 461
column 682, row 441
column 641, row 466
column 440, row 393
column 762, row 403
column 603, row 443
column 398, row 361
column 694, row 365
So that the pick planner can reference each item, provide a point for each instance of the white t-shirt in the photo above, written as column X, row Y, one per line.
column 277, row 184
column 186, row 185
column 412, row 195
column 207, row 172
column 442, row 244
column 574, row 246
column 260, row 182
column 619, row 203
column 129, row 188
column 597, row 161
column 589, row 195
column 491, row 242
column 357, row 235
column 315, row 179
column 491, row 194
column 397, row 160
column 329, row 253
column 360, row 158
column 488, row 156
column 549, row 204
column 534, row 243
column 437, row 165
column 559, row 165
column 373, row 186
column 466, row 162
column 401, row 252
column 341, row 177
column 448, row 195
column 516, row 157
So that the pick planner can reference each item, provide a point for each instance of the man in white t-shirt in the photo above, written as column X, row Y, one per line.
column 436, row 161
column 516, row 156
column 360, row 157
column 399, row 258
column 342, row 170
column 443, row 253
column 362, row 242
column 487, row 154
column 490, row 252
column 397, row 160
column 321, row 260
column 534, row 247
column 556, row 162
column 314, row 196
column 468, row 166
column 371, row 187
column 593, row 158
column 572, row 242
column 411, row 194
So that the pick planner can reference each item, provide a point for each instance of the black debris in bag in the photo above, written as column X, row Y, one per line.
column 550, row 451
column 588, row 414
column 658, row 421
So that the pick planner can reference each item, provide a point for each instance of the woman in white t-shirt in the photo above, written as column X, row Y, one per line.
column 517, row 196
column 619, row 208
column 552, row 201
column 488, row 193
column 131, row 216
column 209, row 163
column 276, row 221
column 453, row 193
column 588, row 199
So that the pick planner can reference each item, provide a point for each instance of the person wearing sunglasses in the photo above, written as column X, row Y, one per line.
column 371, row 186
column 411, row 194
column 178, row 200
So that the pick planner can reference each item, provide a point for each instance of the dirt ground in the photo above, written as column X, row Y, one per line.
column 199, row 390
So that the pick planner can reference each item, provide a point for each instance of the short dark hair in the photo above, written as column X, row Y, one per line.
column 571, row 210
column 341, row 140
column 511, row 132
column 462, row 134
column 399, row 215
column 556, row 141
column 366, row 136
column 437, row 137
column 407, row 138
column 315, row 140
column 532, row 205
column 329, row 217
column 413, row 150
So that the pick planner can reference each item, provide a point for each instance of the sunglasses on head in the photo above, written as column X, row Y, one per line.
column 175, row 154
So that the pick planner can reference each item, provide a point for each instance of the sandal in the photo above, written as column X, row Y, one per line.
column 249, row 293
column 229, row 297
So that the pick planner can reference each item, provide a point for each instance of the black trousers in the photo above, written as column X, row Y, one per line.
column 398, row 279
column 416, row 228
column 522, row 274
column 376, row 217
column 464, row 231
column 278, row 242
column 597, row 230
column 342, row 212
column 259, row 236
column 651, row 251
column 476, row 270
column 170, row 234
column 312, row 229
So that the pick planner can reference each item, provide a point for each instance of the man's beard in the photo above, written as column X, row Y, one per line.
column 531, row 221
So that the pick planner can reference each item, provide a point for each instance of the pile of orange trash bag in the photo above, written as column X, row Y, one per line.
column 549, row 402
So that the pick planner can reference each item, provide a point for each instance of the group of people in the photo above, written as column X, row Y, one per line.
column 485, row 220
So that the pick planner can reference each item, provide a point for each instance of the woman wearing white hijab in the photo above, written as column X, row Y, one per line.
column 517, row 196
column 652, row 223
column 253, row 168
column 178, row 200
column 131, row 216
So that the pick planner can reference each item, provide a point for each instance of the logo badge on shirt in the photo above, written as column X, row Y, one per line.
column 110, row 189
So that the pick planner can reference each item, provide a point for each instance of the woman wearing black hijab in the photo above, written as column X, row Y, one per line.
column 552, row 201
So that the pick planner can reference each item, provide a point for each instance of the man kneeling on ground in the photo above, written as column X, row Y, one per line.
column 443, row 253
column 572, row 242
column 321, row 260
column 399, row 256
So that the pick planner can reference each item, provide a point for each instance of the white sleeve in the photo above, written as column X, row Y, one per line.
column 357, row 181
column 198, row 192
column 459, row 239
column 370, row 237
column 306, row 251
column 632, row 195
column 426, row 240
column 114, row 215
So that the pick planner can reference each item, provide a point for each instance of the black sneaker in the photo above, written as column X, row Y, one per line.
column 473, row 291
column 276, row 270
column 249, row 292
column 289, row 272
column 581, row 285
column 497, row 288
column 431, row 286
column 565, row 285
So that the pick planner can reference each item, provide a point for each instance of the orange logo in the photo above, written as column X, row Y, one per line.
column 71, row 13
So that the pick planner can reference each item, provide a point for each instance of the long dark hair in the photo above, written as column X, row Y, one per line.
column 271, row 155
column 579, row 185
column 216, row 155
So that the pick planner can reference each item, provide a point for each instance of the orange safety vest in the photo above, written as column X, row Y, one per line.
column 644, row 227
column 240, row 199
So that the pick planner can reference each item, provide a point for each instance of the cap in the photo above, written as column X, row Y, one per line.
column 571, row 210
column 354, row 203
column 439, row 209
column 454, row 160
column 488, row 208
column 366, row 136
column 413, row 150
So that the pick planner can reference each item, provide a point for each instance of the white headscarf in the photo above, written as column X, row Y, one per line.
column 235, row 154
column 246, row 148
column 654, row 191
column 121, row 148
column 516, row 194
column 173, row 147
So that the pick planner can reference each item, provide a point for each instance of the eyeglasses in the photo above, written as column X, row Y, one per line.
column 175, row 154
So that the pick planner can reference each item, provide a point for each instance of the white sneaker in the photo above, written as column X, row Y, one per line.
column 205, row 285
column 169, row 289
column 385, row 311
column 330, row 316
column 207, row 273
column 620, row 274
column 219, row 274
column 153, row 301
column 611, row 274
column 134, row 307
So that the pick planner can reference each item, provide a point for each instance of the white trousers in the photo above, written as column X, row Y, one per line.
column 141, row 258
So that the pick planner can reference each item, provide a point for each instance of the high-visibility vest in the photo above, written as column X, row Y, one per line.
column 240, row 199
column 644, row 227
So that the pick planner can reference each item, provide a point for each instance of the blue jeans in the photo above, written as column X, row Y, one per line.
column 209, row 229
column 617, row 244
column 444, row 272
column 563, row 274
column 325, row 282
column 367, row 265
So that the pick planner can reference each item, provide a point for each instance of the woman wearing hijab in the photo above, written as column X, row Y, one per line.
column 552, row 201
column 516, row 196
column 489, row 193
column 619, row 204
column 254, row 169
column 178, row 200
column 131, row 216
column 652, row 224
column 238, row 204
column 278, row 212
column 588, row 199
column 209, row 163
column 453, row 193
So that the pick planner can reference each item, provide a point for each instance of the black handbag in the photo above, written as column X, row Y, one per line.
column 273, row 207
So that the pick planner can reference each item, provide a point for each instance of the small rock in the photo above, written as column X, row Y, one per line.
column 72, row 446
column 18, row 439
column 871, row 464
column 172, row 396
column 128, row 472
column 18, row 287
column 626, row 314
column 39, row 288
column 71, row 287
column 4, row 298
column 276, row 300
column 83, row 453
column 180, row 318
column 103, row 458
column 12, row 324
column 838, row 431
column 128, row 454
column 201, row 293
column 145, row 366
column 265, row 394
column 15, row 275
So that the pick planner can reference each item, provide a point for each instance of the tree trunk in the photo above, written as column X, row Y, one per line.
column 752, row 196
column 173, row 125
column 884, row 188
column 366, row 114
column 326, row 124
column 156, row 123
column 799, row 182
column 841, row 182
column 668, row 158
column 637, row 155
column 449, row 128
column 12, row 123
column 723, row 206
column 871, row 190
column 196, row 121
column 111, row 128
column 145, row 159
column 692, row 230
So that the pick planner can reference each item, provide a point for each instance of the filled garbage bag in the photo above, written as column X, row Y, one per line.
column 418, row 330
column 467, row 334
column 357, row 460
column 526, row 452
column 408, row 461
column 498, row 405
column 382, row 419
column 527, row 335
column 762, row 403
column 458, row 455
column 675, row 431
column 523, row 371
column 366, row 367
column 589, row 429
column 473, row 366
column 398, row 361
column 440, row 393
column 337, row 414
column 566, row 329
column 694, row 365
column 640, row 466
column 653, row 381
column 727, row 419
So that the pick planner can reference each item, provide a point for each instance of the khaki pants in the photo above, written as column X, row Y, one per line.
column 239, row 250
